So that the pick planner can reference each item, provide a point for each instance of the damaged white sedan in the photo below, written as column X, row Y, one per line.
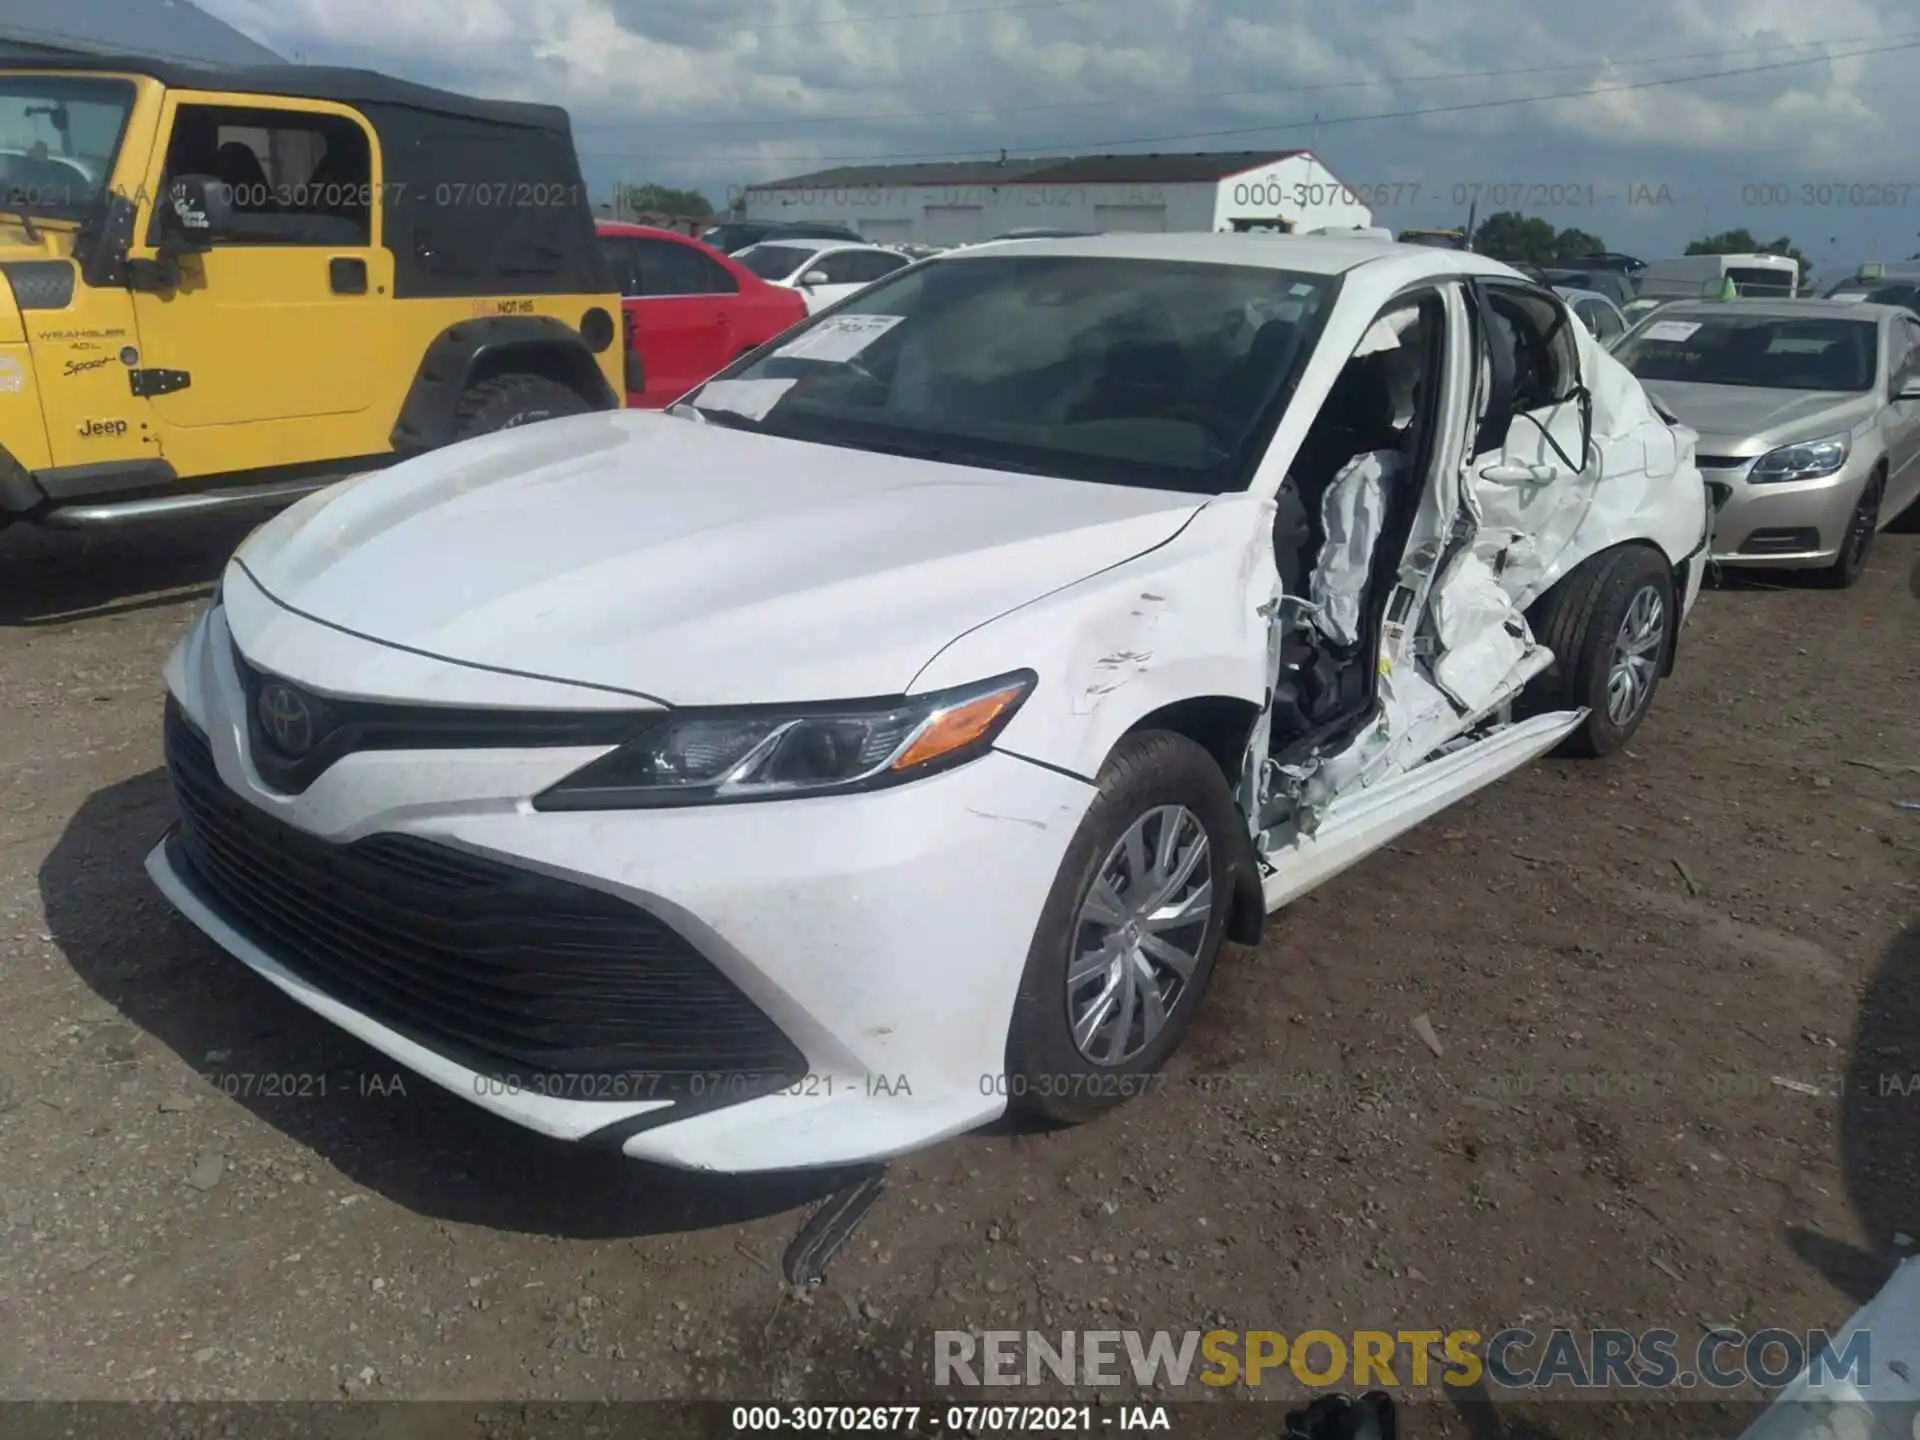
column 894, row 731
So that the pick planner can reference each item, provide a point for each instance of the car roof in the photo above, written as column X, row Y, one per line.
column 794, row 227
column 1788, row 309
column 307, row 82
column 1307, row 254
column 647, row 232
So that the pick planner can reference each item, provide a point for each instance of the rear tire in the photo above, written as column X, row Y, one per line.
column 1857, row 543
column 1610, row 624
column 507, row 402
column 1166, row 795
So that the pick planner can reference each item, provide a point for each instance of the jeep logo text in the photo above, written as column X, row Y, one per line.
column 99, row 429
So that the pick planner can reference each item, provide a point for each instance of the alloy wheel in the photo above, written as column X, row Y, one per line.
column 1637, row 650
column 1139, row 934
column 1862, row 527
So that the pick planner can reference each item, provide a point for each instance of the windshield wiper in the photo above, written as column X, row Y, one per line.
column 947, row 455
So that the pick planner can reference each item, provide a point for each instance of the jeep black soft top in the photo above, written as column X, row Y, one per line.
column 471, row 188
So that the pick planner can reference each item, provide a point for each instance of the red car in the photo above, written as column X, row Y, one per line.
column 690, row 311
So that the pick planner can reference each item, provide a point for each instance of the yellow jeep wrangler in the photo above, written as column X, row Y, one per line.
column 238, row 286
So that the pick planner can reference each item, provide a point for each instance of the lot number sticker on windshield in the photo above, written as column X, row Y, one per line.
column 1672, row 330
column 839, row 338
column 750, row 398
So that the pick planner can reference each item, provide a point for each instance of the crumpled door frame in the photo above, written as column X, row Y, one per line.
column 1443, row 526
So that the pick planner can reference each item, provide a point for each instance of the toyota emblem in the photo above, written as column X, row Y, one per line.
column 287, row 717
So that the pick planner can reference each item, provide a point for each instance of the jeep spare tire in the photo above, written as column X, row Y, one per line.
column 507, row 402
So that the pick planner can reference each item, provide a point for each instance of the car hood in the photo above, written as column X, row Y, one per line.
column 689, row 563
column 1739, row 420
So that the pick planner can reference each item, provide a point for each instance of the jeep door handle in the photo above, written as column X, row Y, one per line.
column 347, row 275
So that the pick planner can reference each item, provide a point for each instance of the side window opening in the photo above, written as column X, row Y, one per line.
column 846, row 268
column 618, row 250
column 1537, row 333
column 668, row 269
column 1345, row 513
column 286, row 177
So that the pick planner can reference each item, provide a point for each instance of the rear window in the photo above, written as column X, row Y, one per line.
column 1758, row 280
column 1766, row 352
column 1906, row 295
column 775, row 262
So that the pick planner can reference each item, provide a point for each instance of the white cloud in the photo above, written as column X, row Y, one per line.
column 743, row 90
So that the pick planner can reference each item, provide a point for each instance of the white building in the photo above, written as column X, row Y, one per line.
column 960, row 203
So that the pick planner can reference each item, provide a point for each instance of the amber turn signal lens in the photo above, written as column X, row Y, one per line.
column 957, row 728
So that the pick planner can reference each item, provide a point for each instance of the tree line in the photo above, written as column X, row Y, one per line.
column 1529, row 240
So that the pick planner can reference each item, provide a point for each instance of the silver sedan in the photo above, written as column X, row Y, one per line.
column 1809, row 420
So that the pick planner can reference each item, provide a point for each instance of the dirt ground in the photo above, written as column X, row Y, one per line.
column 1621, row 962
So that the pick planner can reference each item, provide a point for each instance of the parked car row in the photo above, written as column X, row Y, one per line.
column 821, row 271
column 1043, row 613
column 691, row 307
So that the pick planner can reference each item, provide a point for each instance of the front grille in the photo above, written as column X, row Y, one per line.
column 518, row 976
column 1722, row 462
column 345, row 727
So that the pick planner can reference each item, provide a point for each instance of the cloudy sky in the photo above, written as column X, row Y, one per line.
column 1675, row 117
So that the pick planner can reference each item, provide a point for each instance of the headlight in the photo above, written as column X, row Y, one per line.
column 703, row 757
column 1802, row 462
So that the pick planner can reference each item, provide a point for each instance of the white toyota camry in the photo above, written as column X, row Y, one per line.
column 894, row 730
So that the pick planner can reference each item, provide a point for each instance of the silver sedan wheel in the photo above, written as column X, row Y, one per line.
column 1139, row 933
column 1637, row 649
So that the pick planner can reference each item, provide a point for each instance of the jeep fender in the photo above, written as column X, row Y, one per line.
column 475, row 350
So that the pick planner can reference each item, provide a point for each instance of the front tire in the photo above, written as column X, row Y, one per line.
column 1862, row 526
column 507, row 402
column 1129, row 934
column 1610, row 623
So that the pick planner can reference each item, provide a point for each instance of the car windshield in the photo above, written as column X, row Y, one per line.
column 1164, row 374
column 58, row 138
column 1767, row 352
column 775, row 262
column 731, row 237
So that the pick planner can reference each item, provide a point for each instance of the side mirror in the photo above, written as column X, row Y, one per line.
column 813, row 278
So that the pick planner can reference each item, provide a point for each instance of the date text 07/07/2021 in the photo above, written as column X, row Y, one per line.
column 956, row 1420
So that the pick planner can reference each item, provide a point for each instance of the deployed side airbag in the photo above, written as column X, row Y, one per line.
column 1482, row 638
column 1352, row 514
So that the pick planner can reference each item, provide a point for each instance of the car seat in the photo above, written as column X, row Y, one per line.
column 1361, row 415
column 1245, row 385
column 239, row 169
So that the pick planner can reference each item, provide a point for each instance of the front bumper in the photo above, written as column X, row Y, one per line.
column 1795, row 525
column 879, row 937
